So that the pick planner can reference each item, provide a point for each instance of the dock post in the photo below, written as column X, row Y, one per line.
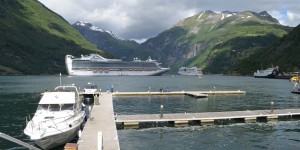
column 90, row 112
column 112, row 89
column 79, row 134
column 161, row 111
column 272, row 107
column 94, row 99
column 149, row 89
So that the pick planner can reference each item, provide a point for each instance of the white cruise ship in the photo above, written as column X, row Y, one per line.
column 96, row 65
column 194, row 71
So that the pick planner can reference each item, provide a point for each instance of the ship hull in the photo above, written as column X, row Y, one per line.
column 118, row 73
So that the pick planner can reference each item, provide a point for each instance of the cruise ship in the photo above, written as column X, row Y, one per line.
column 96, row 65
column 193, row 71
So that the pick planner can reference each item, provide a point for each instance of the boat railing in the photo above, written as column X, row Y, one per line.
column 41, row 126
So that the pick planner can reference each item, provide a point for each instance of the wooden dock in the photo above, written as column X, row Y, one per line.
column 206, row 117
column 102, row 120
column 197, row 94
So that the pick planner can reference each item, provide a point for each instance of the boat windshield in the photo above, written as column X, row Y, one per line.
column 42, row 107
column 55, row 107
column 91, row 86
column 67, row 107
column 65, row 89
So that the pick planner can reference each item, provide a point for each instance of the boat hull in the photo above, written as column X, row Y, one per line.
column 117, row 73
column 55, row 134
column 267, row 76
column 57, row 139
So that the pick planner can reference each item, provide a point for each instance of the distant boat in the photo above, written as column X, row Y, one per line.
column 96, row 65
column 57, row 119
column 267, row 73
column 295, row 79
column 296, row 88
column 289, row 75
column 90, row 90
column 193, row 71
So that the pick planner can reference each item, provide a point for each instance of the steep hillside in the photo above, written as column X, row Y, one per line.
column 105, row 40
column 35, row 40
column 284, row 53
column 216, row 42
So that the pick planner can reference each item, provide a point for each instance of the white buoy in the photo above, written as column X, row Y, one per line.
column 161, row 111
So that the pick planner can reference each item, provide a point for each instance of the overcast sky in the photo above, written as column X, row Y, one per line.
column 142, row 19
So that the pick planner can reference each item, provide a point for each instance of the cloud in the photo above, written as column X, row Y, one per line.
column 293, row 18
column 142, row 19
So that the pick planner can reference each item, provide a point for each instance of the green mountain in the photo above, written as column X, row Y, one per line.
column 105, row 40
column 283, row 53
column 215, row 42
column 35, row 40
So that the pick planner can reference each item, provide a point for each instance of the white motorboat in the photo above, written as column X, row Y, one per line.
column 57, row 119
column 296, row 88
column 90, row 90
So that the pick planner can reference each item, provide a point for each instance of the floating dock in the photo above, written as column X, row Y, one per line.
column 102, row 121
column 100, row 130
column 206, row 117
column 196, row 94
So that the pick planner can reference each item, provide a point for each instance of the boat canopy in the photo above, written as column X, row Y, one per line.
column 58, row 98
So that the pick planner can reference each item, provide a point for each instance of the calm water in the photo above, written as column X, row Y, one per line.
column 19, row 97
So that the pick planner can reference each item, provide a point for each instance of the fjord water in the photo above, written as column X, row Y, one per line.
column 19, row 96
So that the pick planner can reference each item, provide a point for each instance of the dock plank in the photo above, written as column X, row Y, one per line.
column 104, row 121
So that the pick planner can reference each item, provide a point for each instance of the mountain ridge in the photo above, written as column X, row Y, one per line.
column 207, row 39
column 283, row 53
column 35, row 40
column 108, row 42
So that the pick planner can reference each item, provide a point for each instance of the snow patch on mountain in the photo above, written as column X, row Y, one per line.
column 93, row 28
column 200, row 15
column 226, row 14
